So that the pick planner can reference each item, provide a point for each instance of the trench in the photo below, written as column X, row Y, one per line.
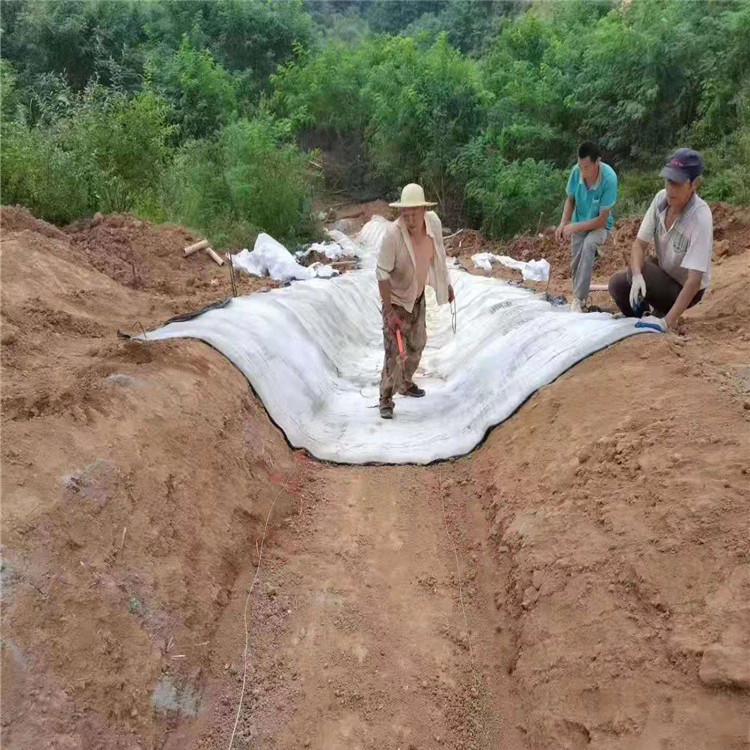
column 374, row 622
column 595, row 551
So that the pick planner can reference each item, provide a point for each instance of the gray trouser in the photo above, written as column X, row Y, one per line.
column 583, row 250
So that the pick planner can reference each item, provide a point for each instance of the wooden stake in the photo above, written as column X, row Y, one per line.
column 215, row 256
column 190, row 249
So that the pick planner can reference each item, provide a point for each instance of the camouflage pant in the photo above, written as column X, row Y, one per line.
column 397, row 377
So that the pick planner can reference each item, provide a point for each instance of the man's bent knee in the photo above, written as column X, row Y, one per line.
column 591, row 243
column 619, row 290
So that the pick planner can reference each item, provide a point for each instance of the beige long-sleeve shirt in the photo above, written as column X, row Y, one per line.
column 396, row 263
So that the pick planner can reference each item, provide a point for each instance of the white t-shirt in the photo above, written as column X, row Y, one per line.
column 688, row 244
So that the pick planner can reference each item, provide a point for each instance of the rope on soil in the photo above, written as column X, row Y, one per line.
column 247, row 601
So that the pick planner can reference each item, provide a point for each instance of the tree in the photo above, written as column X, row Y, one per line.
column 201, row 92
column 79, row 41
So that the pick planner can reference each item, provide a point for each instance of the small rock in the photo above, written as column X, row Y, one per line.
column 134, row 713
column 746, row 405
column 725, row 666
column 347, row 226
column 530, row 595
column 9, row 334
column 222, row 597
column 721, row 248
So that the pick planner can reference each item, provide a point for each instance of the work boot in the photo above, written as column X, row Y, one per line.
column 414, row 391
column 386, row 412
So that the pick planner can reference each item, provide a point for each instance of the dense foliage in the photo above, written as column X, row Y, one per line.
column 194, row 110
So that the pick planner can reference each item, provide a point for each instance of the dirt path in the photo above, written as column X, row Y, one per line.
column 359, row 637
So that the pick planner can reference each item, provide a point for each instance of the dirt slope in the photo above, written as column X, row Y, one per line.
column 597, row 596
column 134, row 482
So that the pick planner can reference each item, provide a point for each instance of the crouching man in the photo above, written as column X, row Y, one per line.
column 680, row 225
column 590, row 197
column 411, row 256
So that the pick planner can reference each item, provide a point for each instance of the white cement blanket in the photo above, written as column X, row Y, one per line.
column 313, row 353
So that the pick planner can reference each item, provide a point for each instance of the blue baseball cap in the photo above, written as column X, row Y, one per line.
column 684, row 164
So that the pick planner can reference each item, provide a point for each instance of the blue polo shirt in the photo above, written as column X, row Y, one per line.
column 589, row 203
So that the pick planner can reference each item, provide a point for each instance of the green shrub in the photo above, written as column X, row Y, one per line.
column 728, row 163
column 9, row 93
column 249, row 179
column 636, row 189
column 82, row 42
column 106, row 154
column 728, row 170
column 324, row 91
column 425, row 105
column 471, row 26
column 509, row 197
column 241, row 35
column 481, row 102
column 201, row 93
column 35, row 172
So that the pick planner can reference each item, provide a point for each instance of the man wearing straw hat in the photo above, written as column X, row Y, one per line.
column 412, row 255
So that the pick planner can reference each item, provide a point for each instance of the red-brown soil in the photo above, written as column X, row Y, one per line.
column 582, row 580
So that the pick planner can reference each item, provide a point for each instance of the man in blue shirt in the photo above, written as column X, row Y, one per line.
column 587, row 217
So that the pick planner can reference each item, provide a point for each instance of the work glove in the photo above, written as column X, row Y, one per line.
column 637, row 290
column 654, row 323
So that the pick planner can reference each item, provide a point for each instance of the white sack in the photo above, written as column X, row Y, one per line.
column 313, row 353
column 322, row 271
column 533, row 270
column 271, row 258
column 341, row 247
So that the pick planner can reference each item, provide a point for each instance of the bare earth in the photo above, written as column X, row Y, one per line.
column 582, row 580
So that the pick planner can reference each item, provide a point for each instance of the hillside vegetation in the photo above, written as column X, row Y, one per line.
column 206, row 112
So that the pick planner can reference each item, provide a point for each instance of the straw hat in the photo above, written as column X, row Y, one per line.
column 412, row 196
